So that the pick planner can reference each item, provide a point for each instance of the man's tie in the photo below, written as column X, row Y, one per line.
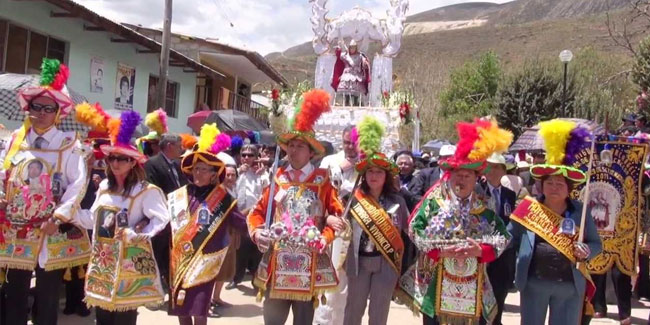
column 39, row 143
column 295, row 175
column 496, row 195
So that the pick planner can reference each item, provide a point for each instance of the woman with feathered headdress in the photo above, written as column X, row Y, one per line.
column 545, row 233
column 202, row 213
column 126, row 214
column 374, row 258
column 457, row 234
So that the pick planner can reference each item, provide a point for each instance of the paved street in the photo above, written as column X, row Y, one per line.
column 248, row 312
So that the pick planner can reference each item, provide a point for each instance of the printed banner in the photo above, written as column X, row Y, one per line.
column 124, row 85
column 96, row 75
column 614, row 200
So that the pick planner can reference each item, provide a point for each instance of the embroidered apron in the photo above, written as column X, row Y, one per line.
column 121, row 275
column 33, row 189
column 295, row 272
column 191, row 265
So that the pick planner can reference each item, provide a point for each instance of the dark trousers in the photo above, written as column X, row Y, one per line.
column 276, row 311
column 48, row 284
column 426, row 320
column 622, row 287
column 160, row 243
column 248, row 258
column 105, row 317
column 74, row 290
column 501, row 273
column 643, row 281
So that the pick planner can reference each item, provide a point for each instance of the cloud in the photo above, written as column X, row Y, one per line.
column 261, row 25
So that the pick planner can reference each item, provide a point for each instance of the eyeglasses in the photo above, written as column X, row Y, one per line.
column 201, row 170
column 118, row 159
column 244, row 155
column 46, row 108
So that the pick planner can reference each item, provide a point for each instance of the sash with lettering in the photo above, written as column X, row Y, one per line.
column 191, row 263
column 374, row 220
column 545, row 223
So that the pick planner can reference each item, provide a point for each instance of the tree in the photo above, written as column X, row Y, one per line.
column 641, row 68
column 530, row 95
column 472, row 89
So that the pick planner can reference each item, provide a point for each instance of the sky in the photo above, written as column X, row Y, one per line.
column 261, row 25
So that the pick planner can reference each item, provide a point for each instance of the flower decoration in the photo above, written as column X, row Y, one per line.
column 275, row 102
column 292, row 231
column 405, row 112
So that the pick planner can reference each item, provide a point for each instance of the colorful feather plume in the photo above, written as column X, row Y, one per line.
column 236, row 142
column 157, row 121
column 314, row 103
column 354, row 137
column 188, row 141
column 251, row 136
column 122, row 130
column 578, row 140
column 491, row 139
column 556, row 134
column 370, row 133
column 221, row 143
column 93, row 116
column 54, row 73
column 209, row 133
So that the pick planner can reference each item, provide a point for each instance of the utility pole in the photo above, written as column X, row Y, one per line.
column 164, row 56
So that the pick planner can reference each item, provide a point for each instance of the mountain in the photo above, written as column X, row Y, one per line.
column 516, row 31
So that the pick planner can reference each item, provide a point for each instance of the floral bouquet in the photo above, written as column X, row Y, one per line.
column 293, row 231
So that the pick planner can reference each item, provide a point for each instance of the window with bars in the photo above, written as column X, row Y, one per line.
column 171, row 100
column 22, row 50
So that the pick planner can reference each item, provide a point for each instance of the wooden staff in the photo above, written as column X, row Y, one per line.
column 581, row 231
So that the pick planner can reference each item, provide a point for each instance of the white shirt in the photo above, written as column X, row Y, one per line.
column 249, row 189
column 143, row 202
column 306, row 172
column 346, row 177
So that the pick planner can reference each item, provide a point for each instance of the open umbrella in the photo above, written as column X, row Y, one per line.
column 196, row 120
column 530, row 140
column 11, row 83
column 434, row 146
column 229, row 119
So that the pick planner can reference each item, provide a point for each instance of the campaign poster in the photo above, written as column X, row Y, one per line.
column 124, row 84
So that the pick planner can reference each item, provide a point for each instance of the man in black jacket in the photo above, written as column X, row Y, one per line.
column 502, row 201
column 163, row 170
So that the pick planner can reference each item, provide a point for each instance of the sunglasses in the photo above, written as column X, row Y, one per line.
column 46, row 108
column 119, row 159
column 248, row 155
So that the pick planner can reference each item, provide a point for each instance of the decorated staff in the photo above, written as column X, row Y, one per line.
column 378, row 216
column 122, row 273
column 296, row 270
column 545, row 233
column 42, row 180
column 201, row 214
column 457, row 235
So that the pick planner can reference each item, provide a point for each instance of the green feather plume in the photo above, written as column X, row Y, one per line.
column 49, row 69
column 296, row 110
column 370, row 134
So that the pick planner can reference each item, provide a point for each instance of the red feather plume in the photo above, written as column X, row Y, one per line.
column 61, row 77
column 315, row 103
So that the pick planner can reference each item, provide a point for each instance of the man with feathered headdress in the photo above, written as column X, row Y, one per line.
column 36, row 233
column 295, row 269
column 457, row 234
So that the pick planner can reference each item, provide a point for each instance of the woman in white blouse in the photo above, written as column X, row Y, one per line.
column 128, row 211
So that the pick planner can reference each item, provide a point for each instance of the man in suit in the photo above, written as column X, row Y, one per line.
column 502, row 201
column 163, row 170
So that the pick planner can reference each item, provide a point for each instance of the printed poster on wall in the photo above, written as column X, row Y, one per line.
column 97, row 75
column 124, row 85
column 614, row 203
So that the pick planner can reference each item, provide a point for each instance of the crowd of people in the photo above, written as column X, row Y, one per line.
column 172, row 221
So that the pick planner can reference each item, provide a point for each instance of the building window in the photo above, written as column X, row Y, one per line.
column 171, row 100
column 23, row 50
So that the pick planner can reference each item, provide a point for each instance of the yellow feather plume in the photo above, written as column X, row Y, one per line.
column 491, row 139
column 556, row 134
column 209, row 133
column 157, row 121
column 92, row 116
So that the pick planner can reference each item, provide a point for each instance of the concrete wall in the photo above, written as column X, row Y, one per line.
column 83, row 45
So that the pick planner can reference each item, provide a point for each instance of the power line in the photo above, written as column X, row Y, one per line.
column 223, row 13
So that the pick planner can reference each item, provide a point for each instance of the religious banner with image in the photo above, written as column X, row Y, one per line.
column 124, row 85
column 614, row 200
